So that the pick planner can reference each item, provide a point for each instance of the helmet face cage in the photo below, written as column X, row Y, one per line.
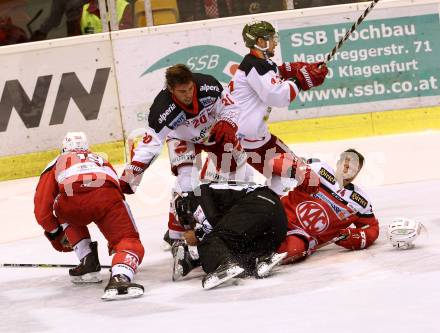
column 259, row 29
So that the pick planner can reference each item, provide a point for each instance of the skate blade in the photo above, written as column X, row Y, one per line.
column 264, row 269
column 112, row 294
column 177, row 268
column 214, row 281
column 94, row 277
column 177, row 272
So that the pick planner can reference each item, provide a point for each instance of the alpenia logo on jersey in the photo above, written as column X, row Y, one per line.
column 207, row 88
column 167, row 112
column 208, row 59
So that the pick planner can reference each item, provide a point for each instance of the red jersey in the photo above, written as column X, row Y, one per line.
column 69, row 173
column 321, row 216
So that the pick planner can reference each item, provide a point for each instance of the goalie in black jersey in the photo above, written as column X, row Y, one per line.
column 236, row 228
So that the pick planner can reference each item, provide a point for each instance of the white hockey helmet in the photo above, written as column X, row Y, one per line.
column 74, row 141
column 402, row 232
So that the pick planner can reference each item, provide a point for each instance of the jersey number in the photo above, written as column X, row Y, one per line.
column 147, row 138
column 198, row 121
column 227, row 100
column 98, row 160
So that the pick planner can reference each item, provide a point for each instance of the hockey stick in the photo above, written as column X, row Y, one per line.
column 353, row 28
column 28, row 25
column 304, row 253
column 346, row 36
column 331, row 241
column 44, row 265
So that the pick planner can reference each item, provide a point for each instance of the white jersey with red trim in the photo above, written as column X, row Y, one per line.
column 169, row 119
column 256, row 87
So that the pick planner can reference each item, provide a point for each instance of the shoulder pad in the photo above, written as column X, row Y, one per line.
column 323, row 170
column 359, row 197
column 50, row 165
column 207, row 84
column 327, row 175
column 164, row 112
column 262, row 66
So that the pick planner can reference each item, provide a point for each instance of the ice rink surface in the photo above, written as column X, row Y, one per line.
column 375, row 290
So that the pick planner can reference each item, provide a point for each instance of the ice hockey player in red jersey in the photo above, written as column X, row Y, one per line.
column 338, row 208
column 79, row 187
column 257, row 86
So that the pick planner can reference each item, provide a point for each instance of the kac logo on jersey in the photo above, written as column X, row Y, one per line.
column 312, row 217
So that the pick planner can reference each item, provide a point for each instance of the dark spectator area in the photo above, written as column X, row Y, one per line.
column 34, row 20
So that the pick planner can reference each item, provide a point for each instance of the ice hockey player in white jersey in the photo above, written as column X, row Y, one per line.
column 185, row 114
column 192, row 107
column 260, row 84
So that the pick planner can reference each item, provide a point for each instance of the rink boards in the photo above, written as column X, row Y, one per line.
column 383, row 81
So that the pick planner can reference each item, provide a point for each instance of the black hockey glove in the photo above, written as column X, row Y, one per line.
column 185, row 206
column 59, row 240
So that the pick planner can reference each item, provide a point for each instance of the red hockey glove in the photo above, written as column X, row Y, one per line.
column 59, row 240
column 308, row 181
column 288, row 70
column 355, row 239
column 288, row 165
column 307, row 75
column 224, row 131
column 131, row 177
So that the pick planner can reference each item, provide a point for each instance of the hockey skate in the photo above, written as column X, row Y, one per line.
column 265, row 264
column 183, row 262
column 120, row 287
column 88, row 269
column 222, row 274
column 167, row 241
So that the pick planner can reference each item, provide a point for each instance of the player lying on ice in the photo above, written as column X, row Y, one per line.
column 313, row 219
column 338, row 208
column 236, row 227
column 79, row 187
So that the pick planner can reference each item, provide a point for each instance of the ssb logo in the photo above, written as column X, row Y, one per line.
column 312, row 216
